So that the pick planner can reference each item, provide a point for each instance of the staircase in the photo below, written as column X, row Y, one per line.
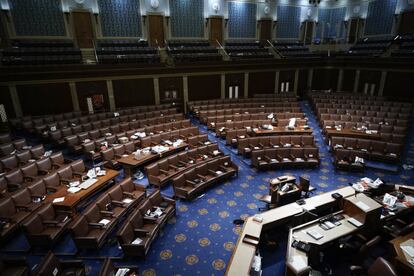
column 88, row 56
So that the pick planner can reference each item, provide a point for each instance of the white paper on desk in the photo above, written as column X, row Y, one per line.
column 122, row 272
column 366, row 179
column 136, row 241
column 127, row 200
column 389, row 200
column 104, row 221
column 362, row 205
column 358, row 187
column 292, row 122
column 58, row 199
column 408, row 249
column 91, row 173
column 298, row 263
column 74, row 190
column 376, row 183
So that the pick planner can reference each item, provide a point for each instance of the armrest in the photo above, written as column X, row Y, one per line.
column 63, row 212
column 141, row 231
column 169, row 200
column 96, row 225
column 51, row 189
column 163, row 171
column 107, row 213
column 191, row 183
column 223, row 168
column 212, row 172
column 50, row 222
column 291, row 156
column 201, row 176
column 267, row 158
column 22, row 207
column 118, row 155
column 128, row 194
column 150, row 219
column 28, row 179
column 173, row 166
column 119, row 203
column 182, row 163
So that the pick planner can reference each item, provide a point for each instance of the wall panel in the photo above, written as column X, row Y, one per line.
column 348, row 80
column 187, row 18
column 242, row 20
column 41, row 99
column 133, row 92
column 324, row 79
column 261, row 83
column 120, row 18
column 90, row 88
column 204, row 87
column 37, row 18
column 288, row 22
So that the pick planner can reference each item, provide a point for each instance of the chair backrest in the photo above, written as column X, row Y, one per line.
column 381, row 267
column 304, row 183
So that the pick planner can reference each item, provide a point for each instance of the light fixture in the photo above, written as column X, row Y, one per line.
column 216, row 7
column 155, row 4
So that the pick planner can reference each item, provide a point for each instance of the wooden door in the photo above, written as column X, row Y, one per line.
column 156, row 30
column 308, row 32
column 216, row 29
column 265, row 30
column 83, row 29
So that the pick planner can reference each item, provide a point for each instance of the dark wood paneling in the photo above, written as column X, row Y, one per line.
column 348, row 80
column 156, row 30
column 265, row 30
column 170, row 84
column 369, row 77
column 204, row 87
column 261, row 83
column 407, row 23
column 82, row 26
column 89, row 88
column 133, row 92
column 43, row 99
column 6, row 100
column 303, row 82
column 216, row 29
column 396, row 85
column 324, row 79
column 235, row 80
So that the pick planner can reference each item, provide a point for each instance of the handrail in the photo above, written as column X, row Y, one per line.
column 274, row 48
column 94, row 51
column 222, row 48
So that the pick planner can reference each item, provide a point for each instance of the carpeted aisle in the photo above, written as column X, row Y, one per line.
column 201, row 238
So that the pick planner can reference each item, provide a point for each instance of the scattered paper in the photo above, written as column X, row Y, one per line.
column 58, row 199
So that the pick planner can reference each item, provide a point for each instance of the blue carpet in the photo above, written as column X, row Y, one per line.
column 200, row 240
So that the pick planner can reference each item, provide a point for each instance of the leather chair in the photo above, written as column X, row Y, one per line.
column 52, row 182
column 398, row 228
column 108, row 268
column 37, row 152
column 110, row 160
column 304, row 186
column 10, row 162
column 90, row 151
column 58, row 160
column 14, row 267
column 379, row 267
column 10, row 217
column 46, row 226
column 31, row 172
column 87, row 232
column 51, row 265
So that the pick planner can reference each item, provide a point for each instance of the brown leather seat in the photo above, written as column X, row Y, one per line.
column 53, row 266
column 46, row 226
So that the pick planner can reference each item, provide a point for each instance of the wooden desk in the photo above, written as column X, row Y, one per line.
column 359, row 207
column 71, row 200
column 352, row 134
column 243, row 253
column 281, row 131
column 130, row 163
column 402, row 258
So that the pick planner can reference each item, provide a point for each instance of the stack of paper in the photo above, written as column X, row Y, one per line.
column 136, row 241
column 58, row 199
column 104, row 221
column 127, row 200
